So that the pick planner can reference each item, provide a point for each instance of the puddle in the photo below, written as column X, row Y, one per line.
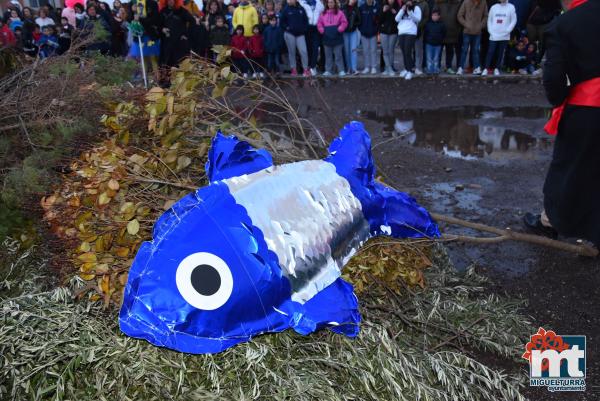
column 470, row 133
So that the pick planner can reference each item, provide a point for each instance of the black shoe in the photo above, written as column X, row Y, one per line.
column 534, row 223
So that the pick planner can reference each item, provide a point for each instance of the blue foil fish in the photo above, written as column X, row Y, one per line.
column 261, row 248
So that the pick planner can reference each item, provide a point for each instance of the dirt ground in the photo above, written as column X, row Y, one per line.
column 561, row 289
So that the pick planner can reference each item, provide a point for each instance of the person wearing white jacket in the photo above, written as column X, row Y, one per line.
column 408, row 20
column 313, row 9
column 502, row 19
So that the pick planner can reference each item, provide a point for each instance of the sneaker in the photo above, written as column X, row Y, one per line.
column 450, row 71
column 496, row 71
column 255, row 75
column 523, row 71
column 484, row 72
column 403, row 73
column 355, row 72
column 390, row 73
column 418, row 72
column 342, row 73
column 460, row 71
column 477, row 71
column 373, row 71
column 294, row 72
column 306, row 73
column 245, row 75
column 408, row 76
column 533, row 223
column 261, row 75
column 537, row 72
column 313, row 72
column 326, row 74
column 365, row 71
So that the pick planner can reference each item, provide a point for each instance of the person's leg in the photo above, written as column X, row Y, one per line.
column 385, row 39
column 366, row 52
column 542, row 48
column 301, row 46
column 490, row 56
column 418, row 53
column 328, row 59
column 429, row 59
column 354, row 39
column 393, row 41
column 449, row 55
column 437, row 52
column 290, row 42
column 465, row 50
column 410, row 49
column 501, row 49
column 402, row 45
column 347, row 51
column 339, row 60
column 312, row 42
column 475, row 49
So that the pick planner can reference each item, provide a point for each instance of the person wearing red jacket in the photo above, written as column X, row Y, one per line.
column 239, row 50
column 7, row 37
column 256, row 52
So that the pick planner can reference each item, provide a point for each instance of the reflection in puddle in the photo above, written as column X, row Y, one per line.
column 471, row 132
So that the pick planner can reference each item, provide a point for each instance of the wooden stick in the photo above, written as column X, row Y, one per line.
column 506, row 235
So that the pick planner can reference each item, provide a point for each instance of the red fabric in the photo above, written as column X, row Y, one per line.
column 239, row 44
column 163, row 4
column 7, row 37
column 584, row 94
column 256, row 46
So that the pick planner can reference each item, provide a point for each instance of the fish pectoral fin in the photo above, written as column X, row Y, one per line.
column 229, row 157
column 335, row 307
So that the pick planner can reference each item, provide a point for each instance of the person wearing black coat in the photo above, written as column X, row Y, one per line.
column 572, row 78
column 370, row 12
column 388, row 32
column 175, row 27
column 273, row 40
column 199, row 41
column 351, row 35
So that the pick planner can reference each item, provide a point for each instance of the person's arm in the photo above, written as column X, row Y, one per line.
column 485, row 14
column 343, row 23
column 321, row 25
column 513, row 19
column 254, row 16
column 235, row 18
column 399, row 15
column 490, row 20
column 555, row 68
column 461, row 15
column 415, row 15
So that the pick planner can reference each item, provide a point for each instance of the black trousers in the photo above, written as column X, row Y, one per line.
column 407, row 45
column 571, row 190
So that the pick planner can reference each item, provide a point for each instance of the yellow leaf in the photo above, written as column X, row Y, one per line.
column 122, row 252
column 87, row 257
column 103, row 199
column 84, row 247
column 113, row 184
column 168, row 204
column 183, row 162
column 133, row 227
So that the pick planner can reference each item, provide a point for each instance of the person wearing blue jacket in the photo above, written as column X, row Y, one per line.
column 273, row 39
column 294, row 23
column 369, row 21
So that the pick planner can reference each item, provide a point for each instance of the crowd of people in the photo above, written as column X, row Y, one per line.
column 298, row 36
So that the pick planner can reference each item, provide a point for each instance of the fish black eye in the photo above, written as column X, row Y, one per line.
column 204, row 280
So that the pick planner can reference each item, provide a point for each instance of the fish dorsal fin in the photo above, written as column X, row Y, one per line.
column 350, row 153
column 229, row 157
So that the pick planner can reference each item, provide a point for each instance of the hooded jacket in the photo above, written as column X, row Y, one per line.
column 247, row 16
column 408, row 21
column 313, row 12
column 332, row 24
column 369, row 19
column 273, row 36
column 472, row 15
column 294, row 20
column 387, row 23
column 352, row 16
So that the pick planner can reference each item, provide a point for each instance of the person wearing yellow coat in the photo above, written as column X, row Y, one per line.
column 245, row 15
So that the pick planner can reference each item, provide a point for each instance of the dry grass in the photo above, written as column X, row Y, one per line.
column 415, row 346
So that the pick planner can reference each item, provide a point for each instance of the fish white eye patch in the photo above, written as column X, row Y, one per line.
column 204, row 280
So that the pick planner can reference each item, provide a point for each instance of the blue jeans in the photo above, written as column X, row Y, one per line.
column 473, row 41
column 351, row 50
column 432, row 55
column 273, row 62
column 495, row 53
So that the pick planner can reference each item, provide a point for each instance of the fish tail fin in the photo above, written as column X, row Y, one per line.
column 388, row 211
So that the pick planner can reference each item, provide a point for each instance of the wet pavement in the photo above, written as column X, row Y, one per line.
column 475, row 151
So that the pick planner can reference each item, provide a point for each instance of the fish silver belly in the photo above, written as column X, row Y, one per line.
column 309, row 218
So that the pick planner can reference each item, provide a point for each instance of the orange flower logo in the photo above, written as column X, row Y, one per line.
column 544, row 340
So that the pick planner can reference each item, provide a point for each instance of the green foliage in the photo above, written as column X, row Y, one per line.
column 55, row 348
column 112, row 71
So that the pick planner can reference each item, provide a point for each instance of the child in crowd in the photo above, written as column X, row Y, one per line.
column 219, row 35
column 64, row 38
column 264, row 22
column 502, row 19
column 331, row 24
column 435, row 32
column 273, row 39
column 269, row 9
column 79, row 16
column 256, row 52
column 408, row 19
column 294, row 23
column 388, row 32
column 7, row 37
column 229, row 16
column 199, row 42
column 532, row 57
column 278, row 9
column 239, row 45
column 48, row 43
column 14, row 20
column 369, row 15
